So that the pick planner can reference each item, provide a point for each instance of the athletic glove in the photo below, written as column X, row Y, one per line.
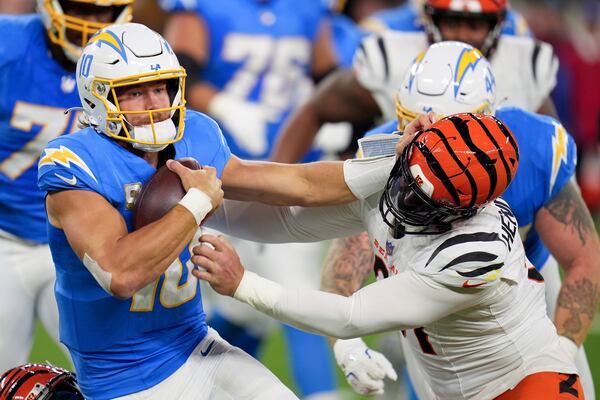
column 364, row 368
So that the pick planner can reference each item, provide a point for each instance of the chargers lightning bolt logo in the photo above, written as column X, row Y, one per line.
column 560, row 142
column 64, row 157
column 109, row 38
column 468, row 59
column 414, row 68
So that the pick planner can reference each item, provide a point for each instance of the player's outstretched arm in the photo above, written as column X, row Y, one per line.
column 123, row 262
column 566, row 227
column 312, row 184
column 339, row 98
column 418, row 300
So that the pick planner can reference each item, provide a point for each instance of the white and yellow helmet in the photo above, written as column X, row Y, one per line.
column 447, row 78
column 126, row 55
column 57, row 22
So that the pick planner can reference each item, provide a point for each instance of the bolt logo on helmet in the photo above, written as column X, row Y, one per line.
column 494, row 11
column 57, row 22
column 125, row 55
column 39, row 382
column 448, row 78
column 448, row 172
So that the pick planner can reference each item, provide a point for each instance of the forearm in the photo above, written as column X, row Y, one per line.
column 312, row 184
column 268, row 224
column 297, row 134
column 347, row 265
column 416, row 301
column 142, row 256
column 578, row 300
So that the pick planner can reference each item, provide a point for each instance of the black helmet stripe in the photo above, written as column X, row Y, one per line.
column 500, row 152
column 486, row 162
column 467, row 173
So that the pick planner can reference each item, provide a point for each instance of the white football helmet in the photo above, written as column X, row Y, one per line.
column 57, row 22
column 447, row 78
column 126, row 55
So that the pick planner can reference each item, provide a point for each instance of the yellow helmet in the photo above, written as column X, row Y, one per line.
column 57, row 22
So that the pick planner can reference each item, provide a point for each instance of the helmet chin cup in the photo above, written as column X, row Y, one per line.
column 160, row 133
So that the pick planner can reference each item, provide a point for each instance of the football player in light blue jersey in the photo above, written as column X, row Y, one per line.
column 408, row 18
column 38, row 53
column 130, row 310
column 543, row 195
column 249, row 64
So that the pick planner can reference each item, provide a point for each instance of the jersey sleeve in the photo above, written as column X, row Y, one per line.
column 544, row 68
column 563, row 160
column 205, row 141
column 63, row 166
column 371, row 65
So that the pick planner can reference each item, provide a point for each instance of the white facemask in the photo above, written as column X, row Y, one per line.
column 165, row 131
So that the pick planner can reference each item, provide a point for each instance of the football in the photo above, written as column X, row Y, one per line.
column 160, row 194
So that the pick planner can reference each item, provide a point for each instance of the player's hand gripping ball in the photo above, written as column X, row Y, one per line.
column 160, row 194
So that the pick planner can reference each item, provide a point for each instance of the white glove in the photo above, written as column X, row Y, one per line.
column 245, row 121
column 364, row 368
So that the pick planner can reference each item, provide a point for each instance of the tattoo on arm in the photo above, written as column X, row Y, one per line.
column 568, row 208
column 580, row 298
column 347, row 265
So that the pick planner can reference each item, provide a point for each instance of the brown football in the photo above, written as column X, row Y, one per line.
column 160, row 194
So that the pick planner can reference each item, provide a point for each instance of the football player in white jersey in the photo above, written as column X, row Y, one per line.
column 525, row 71
column 458, row 285
column 552, row 217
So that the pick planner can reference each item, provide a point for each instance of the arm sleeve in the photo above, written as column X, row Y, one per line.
column 405, row 301
column 367, row 176
column 268, row 224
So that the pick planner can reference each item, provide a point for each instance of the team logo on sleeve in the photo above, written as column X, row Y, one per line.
column 65, row 157
column 560, row 142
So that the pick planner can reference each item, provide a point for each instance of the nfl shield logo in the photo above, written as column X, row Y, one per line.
column 389, row 248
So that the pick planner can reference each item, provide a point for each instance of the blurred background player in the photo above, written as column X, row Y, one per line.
column 38, row 53
column 543, row 196
column 525, row 71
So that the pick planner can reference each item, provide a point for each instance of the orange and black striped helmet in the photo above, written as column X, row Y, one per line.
column 448, row 172
column 39, row 382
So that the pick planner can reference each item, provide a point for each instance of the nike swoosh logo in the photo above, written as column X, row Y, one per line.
column 467, row 285
column 205, row 352
column 70, row 181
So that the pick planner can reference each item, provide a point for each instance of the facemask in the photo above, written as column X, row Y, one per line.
column 165, row 131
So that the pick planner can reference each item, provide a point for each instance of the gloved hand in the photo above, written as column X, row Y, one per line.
column 245, row 121
column 364, row 368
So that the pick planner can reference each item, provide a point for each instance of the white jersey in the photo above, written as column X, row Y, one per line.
column 471, row 306
column 525, row 69
column 484, row 350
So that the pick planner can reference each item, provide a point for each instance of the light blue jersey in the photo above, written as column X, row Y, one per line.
column 124, row 346
column 547, row 160
column 260, row 51
column 405, row 18
column 34, row 93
